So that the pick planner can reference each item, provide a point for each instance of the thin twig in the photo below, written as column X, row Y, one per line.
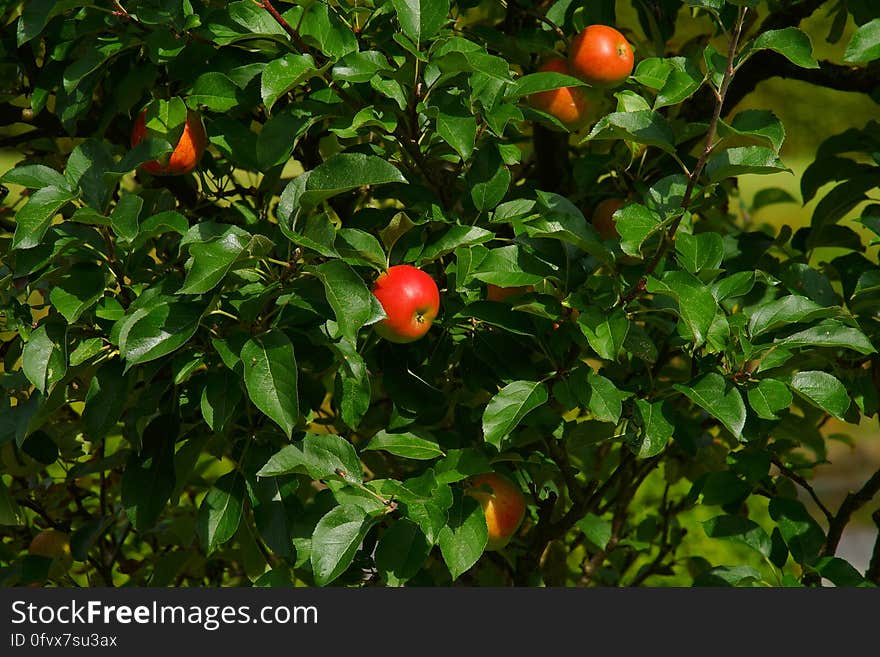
column 803, row 483
column 687, row 199
column 294, row 36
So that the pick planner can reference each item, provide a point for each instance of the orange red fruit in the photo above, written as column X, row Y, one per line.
column 411, row 301
column 603, row 217
column 601, row 56
column 503, row 505
column 568, row 104
column 187, row 153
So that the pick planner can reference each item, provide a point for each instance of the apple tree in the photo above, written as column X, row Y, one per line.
column 200, row 387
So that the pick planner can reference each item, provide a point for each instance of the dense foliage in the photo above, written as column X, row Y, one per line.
column 193, row 388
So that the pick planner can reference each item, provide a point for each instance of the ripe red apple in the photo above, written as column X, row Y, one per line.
column 411, row 301
column 603, row 217
column 187, row 153
column 568, row 104
column 498, row 293
column 601, row 56
column 503, row 505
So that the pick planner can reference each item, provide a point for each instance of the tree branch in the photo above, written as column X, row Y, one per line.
column 852, row 503
column 803, row 483
column 294, row 36
column 873, row 572
column 669, row 235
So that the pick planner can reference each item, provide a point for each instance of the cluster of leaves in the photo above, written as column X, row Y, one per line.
column 192, row 387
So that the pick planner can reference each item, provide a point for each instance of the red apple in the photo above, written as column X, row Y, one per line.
column 603, row 217
column 503, row 505
column 568, row 104
column 411, row 301
column 601, row 56
column 186, row 154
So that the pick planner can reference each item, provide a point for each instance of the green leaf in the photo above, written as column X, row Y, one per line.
column 696, row 305
column 459, row 131
column 361, row 66
column 683, row 79
column 762, row 125
column 211, row 261
column 460, row 464
column 421, row 19
column 325, row 29
column 405, row 444
column 741, row 160
column 335, row 541
column 35, row 176
column 720, row 399
column 739, row 530
column 270, row 376
column 36, row 14
column 355, row 387
column 787, row 310
column 735, row 285
column 557, row 218
column 655, row 429
column 457, row 236
column 283, row 74
column 606, row 332
column 604, row 400
column 340, row 173
column 321, row 456
column 149, row 479
column 830, row 333
column 318, row 234
column 44, row 358
column 769, row 397
column 823, row 391
column 219, row 398
column 597, row 530
column 534, row 83
column 488, row 178
column 154, row 331
column 465, row 535
column 699, row 252
column 509, row 406
column 347, row 295
column 124, row 217
column 215, row 91
column 801, row 533
column 791, row 43
column 642, row 126
column 105, row 400
column 220, row 511
column 34, row 219
column 635, row 224
column 652, row 72
column 838, row 571
column 78, row 290
column 401, row 552
column 864, row 46
column 358, row 247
